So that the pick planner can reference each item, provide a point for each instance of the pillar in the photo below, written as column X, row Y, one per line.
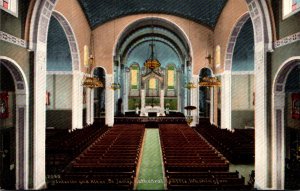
column 109, row 101
column 162, row 103
column 226, row 101
column 278, row 141
column 77, row 97
column 143, row 96
column 194, row 97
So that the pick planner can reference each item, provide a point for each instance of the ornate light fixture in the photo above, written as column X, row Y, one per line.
column 115, row 86
column 209, row 81
column 88, row 80
column 190, row 85
column 189, row 117
column 91, row 82
column 152, row 63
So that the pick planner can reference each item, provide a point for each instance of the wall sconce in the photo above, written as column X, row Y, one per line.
column 115, row 86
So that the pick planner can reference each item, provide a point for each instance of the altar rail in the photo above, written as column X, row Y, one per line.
column 172, row 120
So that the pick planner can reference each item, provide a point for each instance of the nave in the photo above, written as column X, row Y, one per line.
column 130, row 156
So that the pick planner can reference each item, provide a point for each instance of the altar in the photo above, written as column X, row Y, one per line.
column 152, row 111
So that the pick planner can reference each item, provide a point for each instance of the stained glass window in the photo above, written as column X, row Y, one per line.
column 134, row 76
column 10, row 6
column 171, row 77
column 152, row 84
column 290, row 7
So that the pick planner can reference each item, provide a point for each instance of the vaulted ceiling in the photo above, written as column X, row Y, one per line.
column 205, row 12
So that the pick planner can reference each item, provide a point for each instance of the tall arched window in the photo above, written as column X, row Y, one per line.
column 134, row 73
column 152, row 83
column 171, row 77
column 218, row 56
column 290, row 7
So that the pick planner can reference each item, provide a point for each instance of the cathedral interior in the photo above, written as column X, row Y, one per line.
column 149, row 95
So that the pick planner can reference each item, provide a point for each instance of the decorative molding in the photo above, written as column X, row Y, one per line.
column 59, row 73
column 21, row 142
column 287, row 40
column 12, row 39
column 242, row 73
column 15, row 73
column 232, row 41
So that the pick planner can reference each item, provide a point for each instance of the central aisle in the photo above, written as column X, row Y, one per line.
column 151, row 175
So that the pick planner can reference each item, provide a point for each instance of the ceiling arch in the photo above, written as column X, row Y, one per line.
column 205, row 12
column 156, row 26
column 154, row 33
column 163, row 52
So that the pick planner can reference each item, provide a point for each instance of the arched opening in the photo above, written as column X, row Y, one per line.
column 59, row 79
column 14, row 126
column 142, row 87
column 99, row 96
column 286, row 123
column 242, row 79
column 205, row 95
column 8, row 130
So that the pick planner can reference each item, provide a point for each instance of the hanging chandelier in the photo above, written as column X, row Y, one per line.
column 189, row 117
column 209, row 82
column 89, row 81
column 190, row 85
column 152, row 63
column 92, row 82
column 115, row 86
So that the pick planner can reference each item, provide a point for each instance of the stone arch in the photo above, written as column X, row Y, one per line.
column 226, row 78
column 158, row 21
column 71, row 39
column 278, row 122
column 260, row 17
column 40, row 19
column 22, row 119
column 77, row 90
column 232, row 40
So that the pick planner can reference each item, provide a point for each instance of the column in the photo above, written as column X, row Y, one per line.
column 213, row 106
column 88, row 105
column 39, row 132
column 109, row 101
column 77, row 97
column 178, row 90
column 226, row 101
column 262, row 155
column 22, row 149
column 162, row 102
column 194, row 92
column 125, row 90
column 278, row 141
column 143, row 96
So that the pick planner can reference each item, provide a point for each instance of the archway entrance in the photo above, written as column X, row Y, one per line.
column 99, row 96
column 205, row 95
column 14, row 126
column 147, row 90
column 286, row 122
